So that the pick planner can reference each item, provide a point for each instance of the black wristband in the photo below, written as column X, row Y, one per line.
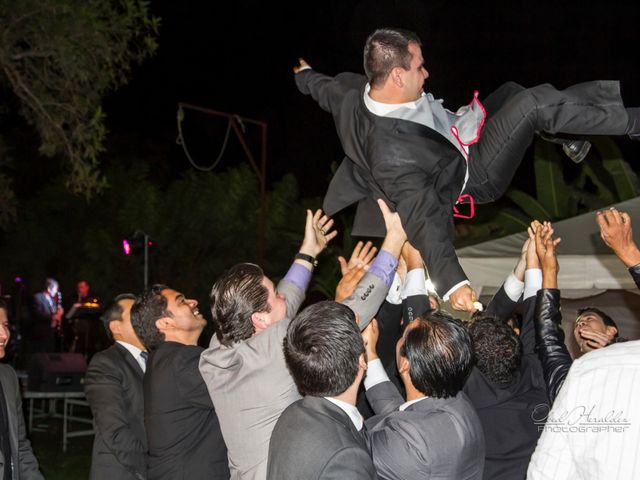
column 307, row 258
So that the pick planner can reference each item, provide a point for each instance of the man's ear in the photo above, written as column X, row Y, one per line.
column 611, row 331
column 258, row 322
column 115, row 327
column 396, row 76
column 403, row 366
column 164, row 323
column 362, row 362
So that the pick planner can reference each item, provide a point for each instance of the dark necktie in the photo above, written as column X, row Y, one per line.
column 145, row 356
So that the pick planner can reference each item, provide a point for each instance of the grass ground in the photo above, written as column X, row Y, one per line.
column 55, row 464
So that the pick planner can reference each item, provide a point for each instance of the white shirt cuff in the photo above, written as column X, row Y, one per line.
column 513, row 287
column 394, row 296
column 532, row 282
column 454, row 288
column 306, row 67
column 415, row 283
column 375, row 374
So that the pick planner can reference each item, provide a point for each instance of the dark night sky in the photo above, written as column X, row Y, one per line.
column 237, row 57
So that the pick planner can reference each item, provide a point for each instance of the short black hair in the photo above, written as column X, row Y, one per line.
column 236, row 295
column 606, row 319
column 438, row 348
column 114, row 312
column 497, row 348
column 322, row 348
column 4, row 306
column 386, row 49
column 150, row 306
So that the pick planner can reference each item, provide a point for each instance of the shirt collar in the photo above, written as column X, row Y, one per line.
column 405, row 405
column 135, row 353
column 384, row 109
column 350, row 410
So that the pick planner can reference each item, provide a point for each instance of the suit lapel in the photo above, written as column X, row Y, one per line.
column 128, row 359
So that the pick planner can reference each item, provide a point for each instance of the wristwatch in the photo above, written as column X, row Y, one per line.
column 307, row 258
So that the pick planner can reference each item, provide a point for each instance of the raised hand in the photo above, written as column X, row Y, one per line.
column 615, row 230
column 362, row 255
column 348, row 282
column 301, row 64
column 463, row 299
column 317, row 233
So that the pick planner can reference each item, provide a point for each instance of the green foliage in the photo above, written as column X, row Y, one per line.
column 201, row 224
column 60, row 57
column 551, row 189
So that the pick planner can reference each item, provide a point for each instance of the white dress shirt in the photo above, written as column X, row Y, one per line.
column 593, row 429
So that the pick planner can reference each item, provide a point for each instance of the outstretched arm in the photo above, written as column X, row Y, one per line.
column 317, row 234
column 552, row 351
column 373, row 287
column 615, row 230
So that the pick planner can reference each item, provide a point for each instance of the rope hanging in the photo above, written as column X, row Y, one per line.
column 180, row 141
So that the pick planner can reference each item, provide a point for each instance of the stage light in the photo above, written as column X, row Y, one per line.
column 126, row 247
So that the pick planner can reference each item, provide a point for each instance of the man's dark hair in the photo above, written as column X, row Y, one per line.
column 497, row 348
column 149, row 306
column 4, row 306
column 440, row 355
column 114, row 312
column 322, row 348
column 386, row 49
column 237, row 294
column 606, row 319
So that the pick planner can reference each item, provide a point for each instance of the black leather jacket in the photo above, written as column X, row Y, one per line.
column 635, row 274
column 553, row 353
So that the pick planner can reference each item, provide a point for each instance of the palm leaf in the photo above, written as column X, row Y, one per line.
column 625, row 180
column 528, row 204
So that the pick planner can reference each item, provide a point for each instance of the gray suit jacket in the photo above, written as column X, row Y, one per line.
column 433, row 438
column 250, row 384
column 113, row 386
column 314, row 439
column 25, row 465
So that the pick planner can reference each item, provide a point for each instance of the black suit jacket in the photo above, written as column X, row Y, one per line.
column 183, row 432
column 113, row 386
column 24, row 462
column 314, row 439
column 412, row 167
column 508, row 412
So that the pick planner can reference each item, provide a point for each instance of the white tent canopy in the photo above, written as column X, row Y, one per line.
column 590, row 274
column 587, row 265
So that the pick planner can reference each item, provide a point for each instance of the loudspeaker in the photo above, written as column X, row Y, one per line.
column 57, row 372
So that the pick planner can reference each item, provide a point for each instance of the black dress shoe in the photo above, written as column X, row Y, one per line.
column 576, row 150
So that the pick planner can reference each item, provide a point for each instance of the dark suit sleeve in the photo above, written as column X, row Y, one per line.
column 352, row 463
column 388, row 317
column 104, row 391
column 527, row 333
column 27, row 462
column 189, row 381
column 415, row 306
column 501, row 306
column 327, row 91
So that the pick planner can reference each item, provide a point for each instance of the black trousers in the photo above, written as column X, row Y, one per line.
column 515, row 114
